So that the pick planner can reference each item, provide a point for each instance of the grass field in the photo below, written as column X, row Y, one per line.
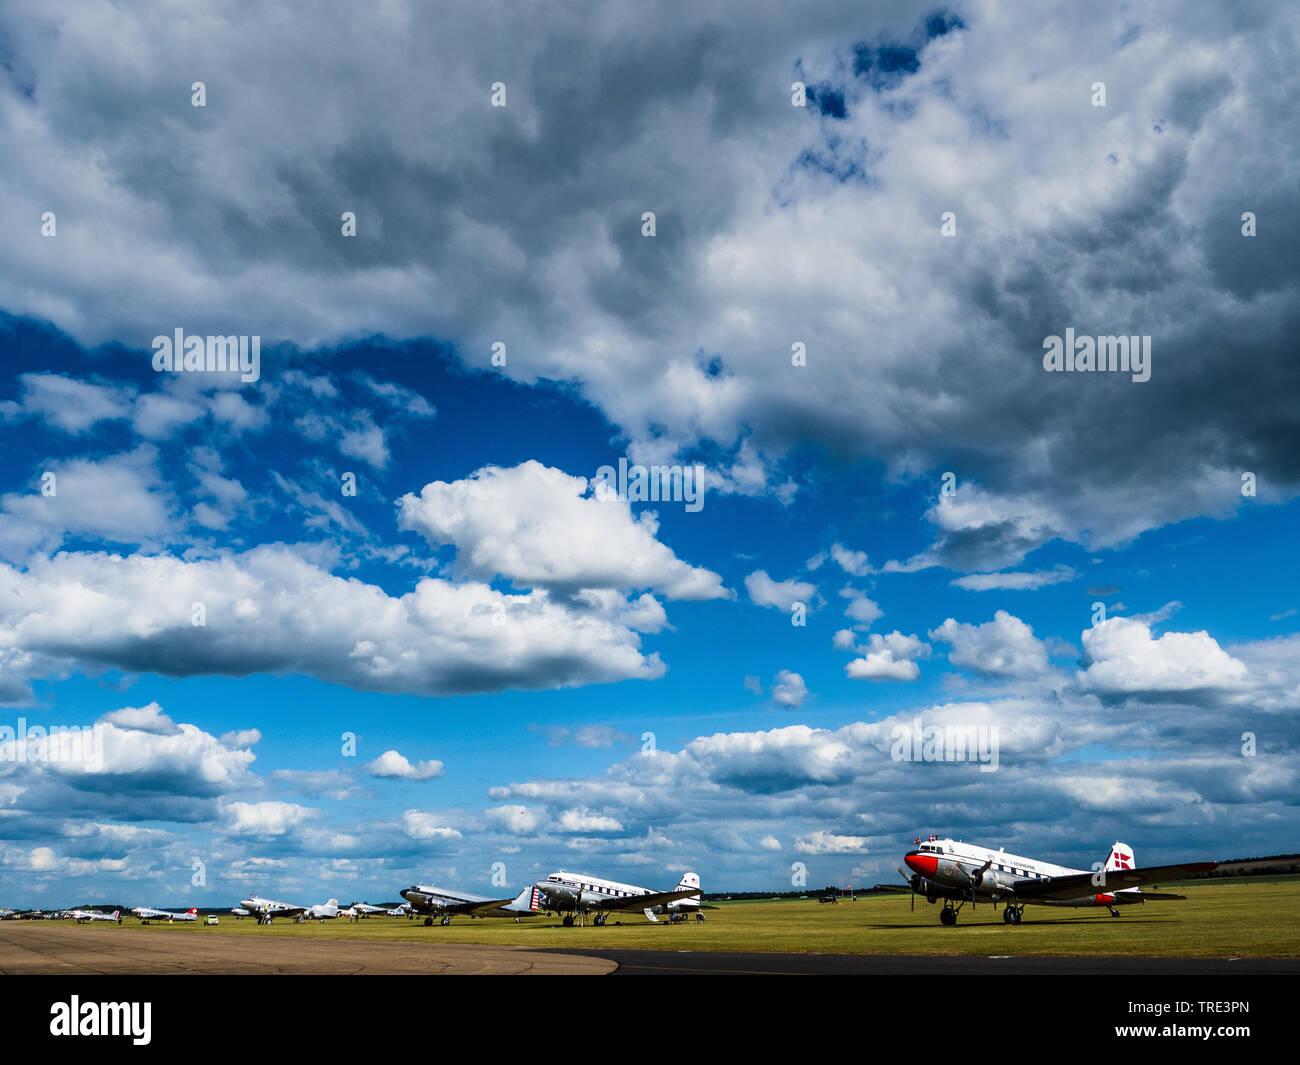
column 1233, row 919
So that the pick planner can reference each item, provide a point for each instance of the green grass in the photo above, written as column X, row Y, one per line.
column 1234, row 919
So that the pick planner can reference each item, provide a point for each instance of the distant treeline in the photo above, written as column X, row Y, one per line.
column 806, row 893
column 1267, row 866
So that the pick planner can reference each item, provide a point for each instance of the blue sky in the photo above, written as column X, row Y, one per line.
column 543, row 679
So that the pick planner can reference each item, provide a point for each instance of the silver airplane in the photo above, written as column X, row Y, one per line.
column 326, row 911
column 267, row 909
column 148, row 913
column 82, row 916
column 364, row 909
column 446, row 904
column 577, row 894
column 957, row 872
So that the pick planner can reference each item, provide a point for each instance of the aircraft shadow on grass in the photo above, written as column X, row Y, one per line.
column 1126, row 922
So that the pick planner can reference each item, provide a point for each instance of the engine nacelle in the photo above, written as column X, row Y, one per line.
column 933, row 890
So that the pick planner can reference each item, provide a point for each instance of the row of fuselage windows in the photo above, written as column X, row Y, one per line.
column 609, row 891
column 1000, row 868
column 1020, row 872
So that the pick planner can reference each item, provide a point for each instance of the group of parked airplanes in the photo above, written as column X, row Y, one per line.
column 943, row 870
column 575, row 896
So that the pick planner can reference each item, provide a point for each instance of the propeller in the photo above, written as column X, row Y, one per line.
column 977, row 878
column 911, row 882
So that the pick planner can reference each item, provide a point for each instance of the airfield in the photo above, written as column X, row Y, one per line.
column 1222, row 927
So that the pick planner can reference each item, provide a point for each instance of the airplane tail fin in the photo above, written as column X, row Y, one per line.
column 193, row 909
column 1121, row 857
column 528, row 901
column 687, row 882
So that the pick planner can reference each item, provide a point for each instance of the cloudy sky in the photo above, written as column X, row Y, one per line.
column 368, row 619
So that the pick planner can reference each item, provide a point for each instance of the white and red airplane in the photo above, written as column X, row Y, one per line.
column 956, row 873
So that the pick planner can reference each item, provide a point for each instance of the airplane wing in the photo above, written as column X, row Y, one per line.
column 1069, row 887
column 486, row 906
column 645, row 902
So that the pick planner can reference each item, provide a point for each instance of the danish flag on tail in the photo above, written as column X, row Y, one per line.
column 1121, row 857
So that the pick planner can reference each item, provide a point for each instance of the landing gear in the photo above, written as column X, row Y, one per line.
column 1113, row 912
column 445, row 921
column 428, row 922
column 568, row 920
column 1011, row 915
column 599, row 920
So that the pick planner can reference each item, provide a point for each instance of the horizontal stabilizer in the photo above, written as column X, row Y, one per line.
column 1078, row 884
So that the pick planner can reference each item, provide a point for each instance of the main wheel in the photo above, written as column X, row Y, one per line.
column 428, row 922
column 1009, row 915
column 568, row 922
column 947, row 916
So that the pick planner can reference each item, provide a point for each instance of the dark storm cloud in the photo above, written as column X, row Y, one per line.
column 523, row 223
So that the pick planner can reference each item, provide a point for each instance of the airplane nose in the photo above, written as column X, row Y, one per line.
column 925, row 864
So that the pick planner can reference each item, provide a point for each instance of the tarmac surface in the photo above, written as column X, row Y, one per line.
column 686, row 962
column 46, row 947
column 43, row 947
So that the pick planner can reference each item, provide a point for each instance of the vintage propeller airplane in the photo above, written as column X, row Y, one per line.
column 956, row 873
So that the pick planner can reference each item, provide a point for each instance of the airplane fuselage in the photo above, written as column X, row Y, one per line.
column 148, row 913
column 265, row 909
column 437, row 901
column 574, row 892
column 951, row 869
